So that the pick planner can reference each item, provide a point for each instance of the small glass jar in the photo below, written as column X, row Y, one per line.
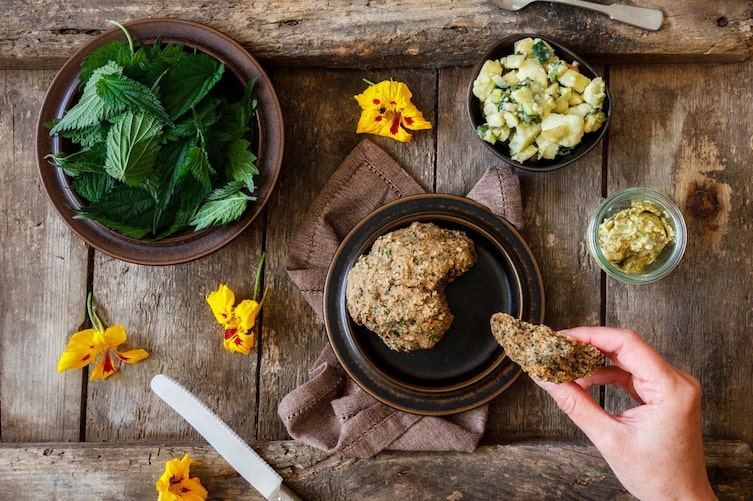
column 666, row 210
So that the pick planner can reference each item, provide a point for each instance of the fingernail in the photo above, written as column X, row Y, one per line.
column 544, row 385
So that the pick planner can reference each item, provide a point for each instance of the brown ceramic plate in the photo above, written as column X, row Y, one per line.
column 467, row 367
column 188, row 245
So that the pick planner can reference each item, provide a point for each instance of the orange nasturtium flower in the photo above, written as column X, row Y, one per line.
column 387, row 111
column 175, row 483
column 239, row 320
column 85, row 346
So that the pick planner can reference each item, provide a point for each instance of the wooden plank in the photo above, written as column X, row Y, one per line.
column 44, row 273
column 665, row 137
column 528, row 470
column 320, row 122
column 165, row 312
column 425, row 33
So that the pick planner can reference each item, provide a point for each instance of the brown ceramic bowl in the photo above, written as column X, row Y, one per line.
column 504, row 48
column 187, row 245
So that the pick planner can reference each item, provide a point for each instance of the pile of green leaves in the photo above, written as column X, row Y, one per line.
column 157, row 144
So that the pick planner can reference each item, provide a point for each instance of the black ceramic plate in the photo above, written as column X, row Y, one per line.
column 467, row 367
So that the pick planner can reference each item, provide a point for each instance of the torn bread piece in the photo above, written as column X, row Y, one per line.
column 545, row 354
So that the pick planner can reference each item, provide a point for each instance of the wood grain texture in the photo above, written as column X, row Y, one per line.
column 386, row 33
column 44, row 275
column 164, row 311
column 530, row 470
column 699, row 317
column 321, row 115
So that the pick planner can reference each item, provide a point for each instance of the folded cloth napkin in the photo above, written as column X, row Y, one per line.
column 330, row 411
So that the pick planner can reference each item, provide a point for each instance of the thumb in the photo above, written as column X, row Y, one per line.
column 581, row 409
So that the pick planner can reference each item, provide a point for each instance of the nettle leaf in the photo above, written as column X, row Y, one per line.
column 191, row 195
column 132, row 146
column 159, row 59
column 126, row 209
column 235, row 122
column 198, row 165
column 121, row 92
column 231, row 125
column 222, row 211
column 181, row 220
column 88, row 136
column 172, row 157
column 139, row 176
column 229, row 189
column 206, row 112
column 241, row 163
column 91, row 108
column 118, row 52
column 89, row 159
column 171, row 53
column 188, row 82
column 93, row 187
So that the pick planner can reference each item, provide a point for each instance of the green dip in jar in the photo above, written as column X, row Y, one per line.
column 634, row 237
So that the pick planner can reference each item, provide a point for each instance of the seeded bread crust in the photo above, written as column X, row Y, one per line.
column 546, row 355
column 397, row 290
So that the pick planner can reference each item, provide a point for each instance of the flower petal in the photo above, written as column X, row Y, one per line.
column 413, row 119
column 104, row 368
column 221, row 301
column 398, row 133
column 371, row 98
column 399, row 93
column 191, row 490
column 371, row 122
column 113, row 336
column 132, row 356
column 247, row 311
column 175, row 483
column 239, row 342
column 80, row 351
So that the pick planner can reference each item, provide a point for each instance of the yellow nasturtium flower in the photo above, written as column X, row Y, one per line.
column 387, row 111
column 85, row 346
column 239, row 320
column 175, row 484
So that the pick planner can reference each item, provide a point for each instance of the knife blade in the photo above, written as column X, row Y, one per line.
column 220, row 436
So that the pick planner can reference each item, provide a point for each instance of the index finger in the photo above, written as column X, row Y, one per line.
column 624, row 347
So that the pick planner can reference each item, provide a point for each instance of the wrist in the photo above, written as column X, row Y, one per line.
column 700, row 492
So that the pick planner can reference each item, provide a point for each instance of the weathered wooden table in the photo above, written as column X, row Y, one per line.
column 681, row 125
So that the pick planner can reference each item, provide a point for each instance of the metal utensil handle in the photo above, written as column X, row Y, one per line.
column 650, row 19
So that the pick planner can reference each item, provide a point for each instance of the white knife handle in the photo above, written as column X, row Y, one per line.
column 283, row 494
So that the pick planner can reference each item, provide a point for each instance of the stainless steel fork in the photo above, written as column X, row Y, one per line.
column 650, row 19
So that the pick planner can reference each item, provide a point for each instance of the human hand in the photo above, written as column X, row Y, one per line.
column 656, row 448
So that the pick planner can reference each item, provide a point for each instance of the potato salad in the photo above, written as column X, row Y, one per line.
column 537, row 103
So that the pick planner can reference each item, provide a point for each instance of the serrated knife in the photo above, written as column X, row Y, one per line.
column 219, row 435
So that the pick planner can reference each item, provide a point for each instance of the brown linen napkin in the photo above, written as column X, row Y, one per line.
column 330, row 411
